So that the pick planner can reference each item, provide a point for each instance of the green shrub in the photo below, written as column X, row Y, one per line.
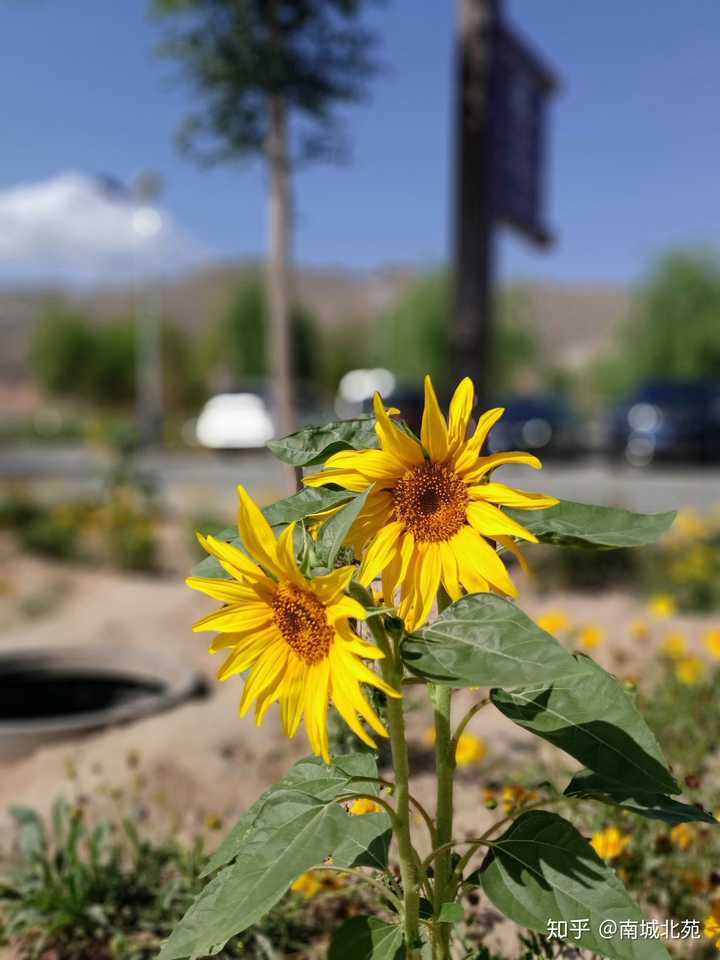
column 78, row 890
column 61, row 350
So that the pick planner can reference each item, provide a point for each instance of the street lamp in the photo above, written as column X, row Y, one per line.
column 147, row 224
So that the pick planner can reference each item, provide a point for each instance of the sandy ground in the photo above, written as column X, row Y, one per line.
column 201, row 759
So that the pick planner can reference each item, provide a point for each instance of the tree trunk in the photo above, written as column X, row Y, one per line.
column 278, row 278
column 471, row 330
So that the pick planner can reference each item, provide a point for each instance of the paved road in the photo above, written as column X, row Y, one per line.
column 208, row 481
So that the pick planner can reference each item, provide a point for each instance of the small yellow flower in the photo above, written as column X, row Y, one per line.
column 213, row 822
column 363, row 805
column 515, row 795
column 470, row 750
column 690, row 670
column 639, row 630
column 674, row 644
column 711, row 929
column 682, row 836
column 711, row 639
column 609, row 843
column 554, row 621
column 694, row 881
column 591, row 636
column 662, row 606
column 307, row 885
column 313, row 882
column 489, row 795
column 428, row 737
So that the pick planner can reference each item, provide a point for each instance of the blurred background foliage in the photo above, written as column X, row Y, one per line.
column 671, row 332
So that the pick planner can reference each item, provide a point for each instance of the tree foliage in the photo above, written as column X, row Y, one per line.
column 412, row 336
column 60, row 349
column 674, row 331
column 237, row 53
column 237, row 342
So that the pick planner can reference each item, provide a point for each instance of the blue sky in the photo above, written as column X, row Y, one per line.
column 634, row 143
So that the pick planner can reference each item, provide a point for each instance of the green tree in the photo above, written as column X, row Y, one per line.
column 61, row 350
column 111, row 366
column 674, row 330
column 238, row 341
column 412, row 337
column 256, row 64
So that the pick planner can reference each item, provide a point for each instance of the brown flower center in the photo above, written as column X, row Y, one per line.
column 300, row 617
column 431, row 501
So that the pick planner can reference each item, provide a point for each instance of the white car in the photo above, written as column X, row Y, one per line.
column 234, row 421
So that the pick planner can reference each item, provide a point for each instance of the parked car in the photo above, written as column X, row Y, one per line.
column 234, row 421
column 539, row 423
column 664, row 420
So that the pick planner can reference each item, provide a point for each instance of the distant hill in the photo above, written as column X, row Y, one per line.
column 572, row 322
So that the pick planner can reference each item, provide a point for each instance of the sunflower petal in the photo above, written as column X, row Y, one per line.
column 483, row 465
column 317, row 695
column 373, row 464
column 477, row 559
column 247, row 651
column 232, row 559
column 515, row 550
column 459, row 413
column 471, row 451
column 380, row 552
column 227, row 591
column 348, row 479
column 292, row 697
column 257, row 533
column 489, row 521
column 265, row 675
column 330, row 586
column 344, row 609
column 344, row 701
column 433, row 433
column 449, row 565
column 235, row 616
column 506, row 496
column 428, row 581
column 392, row 439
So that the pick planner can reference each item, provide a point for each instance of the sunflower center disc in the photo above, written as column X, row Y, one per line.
column 301, row 619
column 431, row 501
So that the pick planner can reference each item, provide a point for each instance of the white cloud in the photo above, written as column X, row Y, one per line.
column 82, row 228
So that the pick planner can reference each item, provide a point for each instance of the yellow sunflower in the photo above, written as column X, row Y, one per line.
column 292, row 634
column 432, row 509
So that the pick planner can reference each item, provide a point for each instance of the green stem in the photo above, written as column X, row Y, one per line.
column 445, row 772
column 460, row 729
column 393, row 674
column 441, row 697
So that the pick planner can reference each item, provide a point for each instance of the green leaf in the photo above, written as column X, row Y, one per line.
column 292, row 833
column 483, row 640
column 367, row 938
column 572, row 524
column 542, row 869
column 333, row 532
column 451, row 913
column 305, row 503
column 315, row 444
column 587, row 714
column 348, row 772
column 653, row 806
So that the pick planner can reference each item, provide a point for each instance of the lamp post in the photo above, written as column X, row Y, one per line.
column 147, row 224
